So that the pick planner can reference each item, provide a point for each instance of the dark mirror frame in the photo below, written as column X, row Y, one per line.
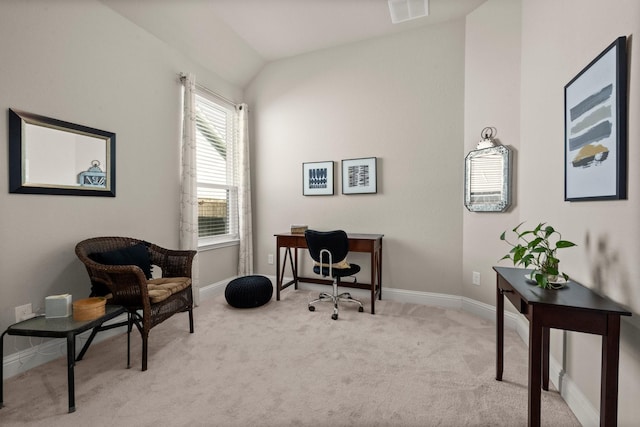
column 17, row 144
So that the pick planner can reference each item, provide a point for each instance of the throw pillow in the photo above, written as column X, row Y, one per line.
column 133, row 255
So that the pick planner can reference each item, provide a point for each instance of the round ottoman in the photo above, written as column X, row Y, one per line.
column 248, row 291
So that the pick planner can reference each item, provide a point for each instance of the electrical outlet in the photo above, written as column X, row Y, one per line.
column 24, row 312
column 476, row 278
column 270, row 258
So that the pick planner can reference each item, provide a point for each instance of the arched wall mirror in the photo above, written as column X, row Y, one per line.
column 50, row 156
column 487, row 182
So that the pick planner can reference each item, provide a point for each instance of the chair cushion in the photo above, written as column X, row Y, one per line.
column 337, row 272
column 341, row 264
column 132, row 255
column 162, row 288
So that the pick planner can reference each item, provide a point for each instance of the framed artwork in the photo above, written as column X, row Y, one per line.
column 595, row 104
column 317, row 179
column 359, row 176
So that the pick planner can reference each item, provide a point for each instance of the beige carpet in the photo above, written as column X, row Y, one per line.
column 281, row 365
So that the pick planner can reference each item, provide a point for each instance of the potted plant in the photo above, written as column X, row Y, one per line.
column 537, row 249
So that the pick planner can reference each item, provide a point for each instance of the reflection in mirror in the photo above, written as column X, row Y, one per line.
column 487, row 180
column 49, row 156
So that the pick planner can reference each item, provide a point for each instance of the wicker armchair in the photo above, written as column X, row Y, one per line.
column 147, row 301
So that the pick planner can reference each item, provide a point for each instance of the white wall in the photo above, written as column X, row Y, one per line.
column 81, row 62
column 398, row 98
column 492, row 98
column 558, row 40
column 515, row 81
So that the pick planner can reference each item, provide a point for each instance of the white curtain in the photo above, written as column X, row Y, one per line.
column 245, row 258
column 189, row 188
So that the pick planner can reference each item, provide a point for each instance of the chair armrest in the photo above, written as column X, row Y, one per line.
column 127, row 284
column 174, row 263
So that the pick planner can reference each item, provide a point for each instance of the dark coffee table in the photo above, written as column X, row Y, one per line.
column 63, row 327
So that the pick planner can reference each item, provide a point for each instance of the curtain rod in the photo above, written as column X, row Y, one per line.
column 182, row 76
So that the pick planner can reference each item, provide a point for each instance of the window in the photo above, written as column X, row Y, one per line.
column 217, row 168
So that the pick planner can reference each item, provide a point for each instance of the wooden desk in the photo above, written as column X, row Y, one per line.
column 369, row 243
column 572, row 308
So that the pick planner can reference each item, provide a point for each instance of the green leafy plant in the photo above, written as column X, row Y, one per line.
column 537, row 249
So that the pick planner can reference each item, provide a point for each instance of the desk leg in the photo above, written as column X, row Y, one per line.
column 282, row 268
column 374, row 275
column 545, row 359
column 499, row 333
column 380, row 271
column 609, row 380
column 535, row 365
column 71, row 356
column 295, row 268
column 1, row 373
column 279, row 277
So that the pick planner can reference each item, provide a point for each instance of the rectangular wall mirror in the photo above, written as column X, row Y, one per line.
column 487, row 182
column 50, row 156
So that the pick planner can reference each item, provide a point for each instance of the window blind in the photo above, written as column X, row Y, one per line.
column 217, row 169
column 487, row 179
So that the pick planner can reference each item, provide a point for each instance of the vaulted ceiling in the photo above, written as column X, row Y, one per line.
column 235, row 38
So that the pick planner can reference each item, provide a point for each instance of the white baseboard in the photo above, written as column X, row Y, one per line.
column 582, row 408
column 587, row 414
column 214, row 289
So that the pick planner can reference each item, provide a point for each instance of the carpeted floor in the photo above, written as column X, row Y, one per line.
column 281, row 365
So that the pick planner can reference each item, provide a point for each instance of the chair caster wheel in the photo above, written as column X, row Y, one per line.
column 334, row 316
column 360, row 309
column 312, row 308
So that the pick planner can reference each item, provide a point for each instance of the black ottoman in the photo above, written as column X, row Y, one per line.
column 248, row 291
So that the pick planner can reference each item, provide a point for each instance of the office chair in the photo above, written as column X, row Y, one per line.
column 329, row 251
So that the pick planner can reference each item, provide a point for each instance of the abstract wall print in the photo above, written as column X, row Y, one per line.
column 595, row 104
column 359, row 176
column 317, row 179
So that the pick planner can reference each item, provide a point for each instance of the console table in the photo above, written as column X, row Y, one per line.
column 62, row 327
column 572, row 308
column 368, row 243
